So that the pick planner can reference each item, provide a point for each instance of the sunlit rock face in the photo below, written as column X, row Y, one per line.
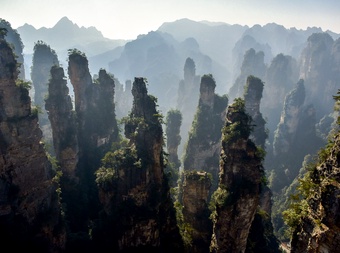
column 30, row 214
column 135, row 196
column 319, row 231
column 252, row 96
column 238, row 195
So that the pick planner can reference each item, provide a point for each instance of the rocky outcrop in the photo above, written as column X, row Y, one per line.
column 138, row 210
column 319, row 67
column 315, row 219
column 195, row 199
column 246, row 42
column 13, row 38
column 187, row 98
column 96, row 130
column 252, row 97
column 238, row 195
column 123, row 98
column 43, row 59
column 253, row 64
column 30, row 211
column 63, row 122
column 291, row 114
column 294, row 137
column 204, row 143
column 280, row 79
column 173, row 139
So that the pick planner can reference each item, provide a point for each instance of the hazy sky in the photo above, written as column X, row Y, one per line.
column 125, row 19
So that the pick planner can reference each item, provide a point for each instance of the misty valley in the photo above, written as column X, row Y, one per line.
column 196, row 137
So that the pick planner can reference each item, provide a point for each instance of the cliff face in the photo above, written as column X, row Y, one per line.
column 123, row 98
column 253, row 64
column 96, row 129
column 246, row 42
column 94, row 105
column 13, row 38
column 238, row 194
column 195, row 199
column 295, row 136
column 280, row 79
column 173, row 139
column 204, row 144
column 30, row 216
column 319, row 69
column 317, row 227
column 187, row 98
column 43, row 59
column 63, row 122
column 133, row 189
column 252, row 96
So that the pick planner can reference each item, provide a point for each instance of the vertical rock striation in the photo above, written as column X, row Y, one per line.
column 295, row 136
column 252, row 97
column 253, row 64
column 14, row 39
column 133, row 188
column 315, row 217
column 43, row 59
column 204, row 144
column 173, row 139
column 187, row 98
column 96, row 130
column 280, row 79
column 63, row 122
column 195, row 199
column 238, row 194
column 319, row 69
column 30, row 212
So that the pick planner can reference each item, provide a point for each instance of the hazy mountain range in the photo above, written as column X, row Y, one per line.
column 216, row 48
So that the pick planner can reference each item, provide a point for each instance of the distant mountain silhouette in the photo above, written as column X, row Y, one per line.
column 65, row 35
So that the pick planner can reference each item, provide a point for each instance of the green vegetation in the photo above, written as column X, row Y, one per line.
column 309, row 188
column 239, row 126
column 27, row 85
column 184, row 228
column 257, row 84
column 3, row 32
column 75, row 51
column 119, row 158
column 173, row 125
column 218, row 200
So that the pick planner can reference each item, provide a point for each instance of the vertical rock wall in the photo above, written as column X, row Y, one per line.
column 133, row 189
column 252, row 96
column 30, row 214
column 195, row 199
column 238, row 194
column 204, row 143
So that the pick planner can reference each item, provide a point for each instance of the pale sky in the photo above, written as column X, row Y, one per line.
column 126, row 19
